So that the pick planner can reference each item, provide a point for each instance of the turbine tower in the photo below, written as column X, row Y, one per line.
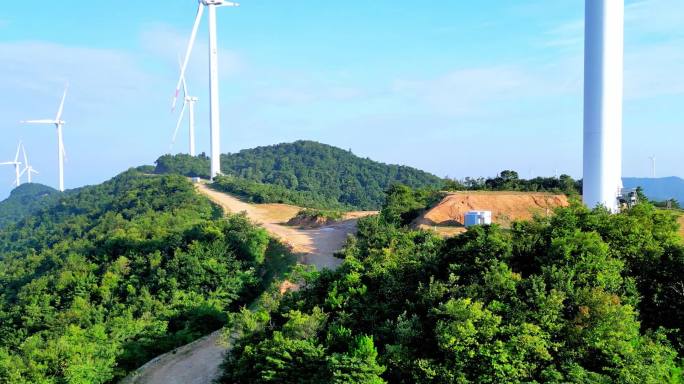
column 653, row 166
column 215, row 120
column 189, row 103
column 59, row 123
column 16, row 163
column 28, row 169
column 603, row 89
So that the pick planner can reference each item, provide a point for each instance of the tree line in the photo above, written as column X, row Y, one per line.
column 582, row 296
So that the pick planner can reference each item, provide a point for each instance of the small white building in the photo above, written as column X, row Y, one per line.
column 478, row 218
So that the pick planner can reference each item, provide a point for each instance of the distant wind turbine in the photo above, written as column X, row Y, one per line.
column 16, row 163
column 215, row 119
column 59, row 123
column 653, row 166
column 28, row 168
column 189, row 103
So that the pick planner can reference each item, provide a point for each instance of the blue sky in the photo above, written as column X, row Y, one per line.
column 458, row 88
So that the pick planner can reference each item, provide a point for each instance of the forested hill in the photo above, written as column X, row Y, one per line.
column 109, row 276
column 315, row 169
column 25, row 200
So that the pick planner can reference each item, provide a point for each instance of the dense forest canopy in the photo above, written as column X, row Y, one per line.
column 24, row 200
column 583, row 296
column 112, row 275
column 309, row 168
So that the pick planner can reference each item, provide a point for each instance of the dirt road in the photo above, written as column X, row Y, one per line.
column 199, row 361
column 314, row 246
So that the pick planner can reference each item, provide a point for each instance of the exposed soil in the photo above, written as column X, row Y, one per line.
column 194, row 363
column 199, row 362
column 447, row 217
column 309, row 222
column 314, row 246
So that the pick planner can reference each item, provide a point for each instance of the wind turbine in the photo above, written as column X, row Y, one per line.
column 59, row 123
column 28, row 169
column 189, row 102
column 603, row 94
column 215, row 120
column 16, row 163
column 653, row 166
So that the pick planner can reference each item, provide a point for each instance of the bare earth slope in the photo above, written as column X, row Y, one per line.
column 506, row 207
column 315, row 246
column 199, row 361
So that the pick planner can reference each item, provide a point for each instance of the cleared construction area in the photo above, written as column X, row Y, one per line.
column 448, row 216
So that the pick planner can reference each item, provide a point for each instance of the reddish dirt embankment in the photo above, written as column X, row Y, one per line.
column 506, row 207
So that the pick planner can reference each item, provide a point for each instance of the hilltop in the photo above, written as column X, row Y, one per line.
column 24, row 200
column 306, row 171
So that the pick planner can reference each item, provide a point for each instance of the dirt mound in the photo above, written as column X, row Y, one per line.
column 506, row 207
column 309, row 222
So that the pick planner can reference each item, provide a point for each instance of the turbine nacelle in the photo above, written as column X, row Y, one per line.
column 219, row 3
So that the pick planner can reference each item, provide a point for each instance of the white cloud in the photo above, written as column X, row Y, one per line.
column 100, row 75
column 468, row 91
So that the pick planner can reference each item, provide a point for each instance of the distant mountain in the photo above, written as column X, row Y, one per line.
column 658, row 189
column 25, row 200
column 322, row 172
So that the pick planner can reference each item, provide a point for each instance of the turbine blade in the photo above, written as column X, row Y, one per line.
column 43, row 121
column 16, row 157
column 23, row 149
column 180, row 120
column 188, row 51
column 61, row 105
column 185, row 85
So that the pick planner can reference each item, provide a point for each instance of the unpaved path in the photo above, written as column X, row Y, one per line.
column 314, row 246
column 199, row 361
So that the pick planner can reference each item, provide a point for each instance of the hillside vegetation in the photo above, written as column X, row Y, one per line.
column 316, row 174
column 26, row 200
column 583, row 296
column 111, row 276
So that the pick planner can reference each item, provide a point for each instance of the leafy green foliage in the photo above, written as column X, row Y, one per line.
column 112, row 275
column 325, row 214
column 583, row 296
column 316, row 175
column 181, row 164
column 25, row 200
column 261, row 193
column 510, row 181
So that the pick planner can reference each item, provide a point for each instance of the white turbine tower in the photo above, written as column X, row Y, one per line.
column 215, row 120
column 653, row 166
column 603, row 89
column 28, row 168
column 59, row 123
column 189, row 103
column 16, row 163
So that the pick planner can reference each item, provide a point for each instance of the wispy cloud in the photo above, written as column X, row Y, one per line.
column 464, row 91
column 101, row 74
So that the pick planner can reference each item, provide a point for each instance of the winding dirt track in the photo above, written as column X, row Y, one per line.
column 199, row 361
